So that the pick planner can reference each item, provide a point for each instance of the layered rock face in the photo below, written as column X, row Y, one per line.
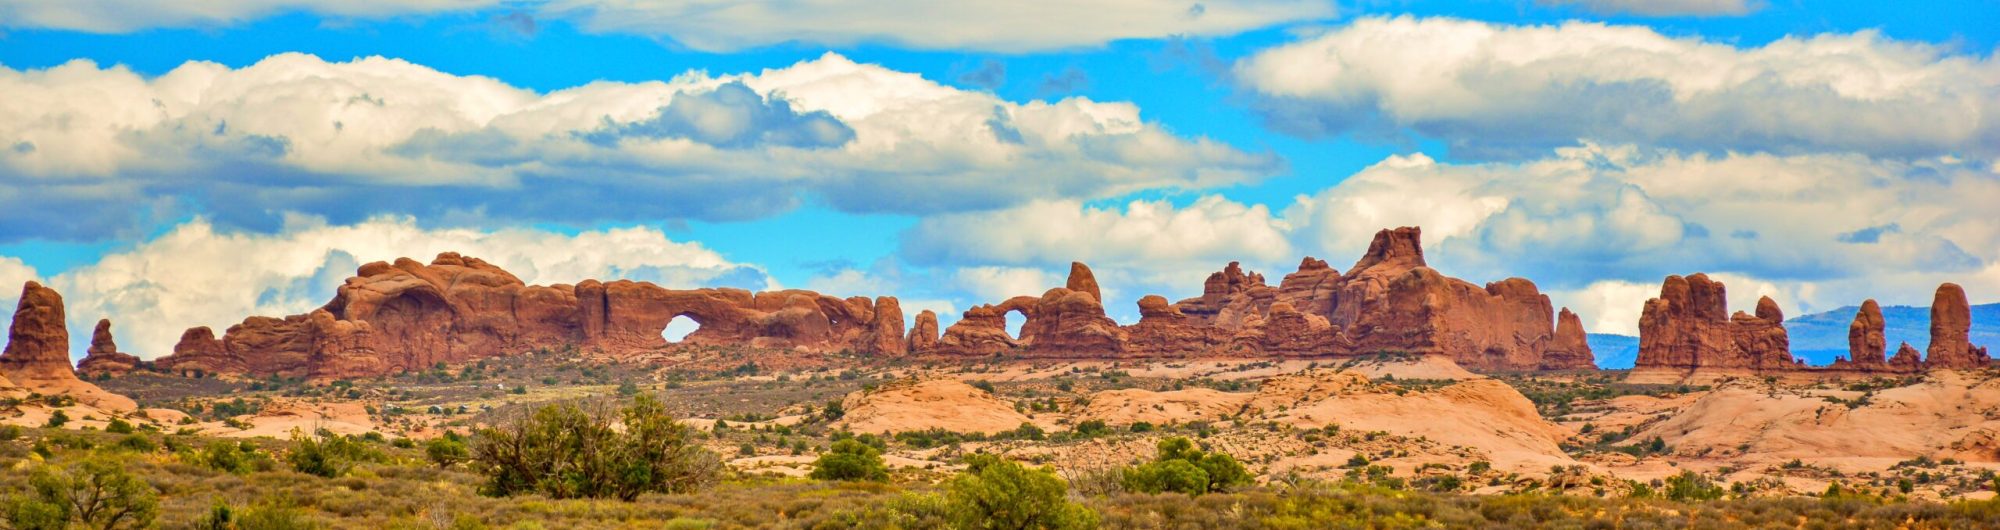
column 409, row 316
column 924, row 335
column 1390, row 302
column 103, row 356
column 1686, row 329
column 38, row 342
column 37, row 354
column 1682, row 331
column 1951, row 329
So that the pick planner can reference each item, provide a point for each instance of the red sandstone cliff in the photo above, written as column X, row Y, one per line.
column 37, row 354
column 103, row 356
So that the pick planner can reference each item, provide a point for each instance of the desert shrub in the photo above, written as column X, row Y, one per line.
column 1180, row 467
column 851, row 460
column 137, row 443
column 57, row 419
column 1691, row 486
column 96, row 492
column 327, row 454
column 118, row 426
column 445, row 451
column 9, row 432
column 994, row 493
column 240, row 457
column 572, row 450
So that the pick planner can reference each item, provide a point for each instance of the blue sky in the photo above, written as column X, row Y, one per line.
column 1579, row 144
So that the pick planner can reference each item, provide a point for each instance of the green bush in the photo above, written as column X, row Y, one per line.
column 327, row 454
column 1691, row 486
column 446, row 451
column 851, row 460
column 994, row 493
column 1180, row 467
column 240, row 457
column 57, row 419
column 570, row 450
column 97, row 492
column 118, row 426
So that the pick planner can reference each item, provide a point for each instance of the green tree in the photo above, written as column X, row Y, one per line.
column 57, row 419
column 998, row 494
column 851, row 459
column 96, row 492
column 572, row 450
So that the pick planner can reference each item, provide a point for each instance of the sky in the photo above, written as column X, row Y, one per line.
column 178, row 164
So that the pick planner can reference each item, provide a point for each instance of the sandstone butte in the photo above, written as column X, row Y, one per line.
column 37, row 354
column 1684, row 334
column 406, row 315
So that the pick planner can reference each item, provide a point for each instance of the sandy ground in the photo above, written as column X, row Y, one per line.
column 915, row 405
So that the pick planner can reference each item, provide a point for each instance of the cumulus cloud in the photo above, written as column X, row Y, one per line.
column 1596, row 226
column 1505, row 91
column 1664, row 8
column 1039, row 25
column 350, row 140
column 1159, row 242
column 199, row 275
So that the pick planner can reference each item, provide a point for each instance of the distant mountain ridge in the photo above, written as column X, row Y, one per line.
column 1818, row 338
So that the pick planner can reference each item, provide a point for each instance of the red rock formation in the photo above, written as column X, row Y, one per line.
column 1951, row 328
column 38, row 341
column 982, row 330
column 924, row 336
column 1865, row 343
column 885, row 329
column 1762, row 337
column 1288, row 332
column 1081, row 280
column 1570, row 348
column 409, row 316
column 103, row 356
column 1906, row 360
column 1392, row 301
column 1312, row 289
column 1685, row 330
column 1163, row 331
column 37, row 354
column 1227, row 296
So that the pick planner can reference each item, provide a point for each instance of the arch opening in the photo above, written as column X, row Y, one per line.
column 679, row 328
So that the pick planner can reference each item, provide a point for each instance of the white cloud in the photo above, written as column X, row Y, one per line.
column 353, row 139
column 1155, row 234
column 197, row 275
column 1503, row 91
column 121, row 16
column 711, row 25
column 1664, row 8
column 992, row 284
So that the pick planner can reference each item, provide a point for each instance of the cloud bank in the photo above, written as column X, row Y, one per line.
column 1496, row 91
column 721, row 26
column 349, row 140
